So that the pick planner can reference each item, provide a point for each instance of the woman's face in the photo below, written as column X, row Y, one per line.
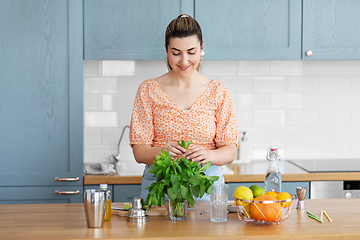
column 184, row 54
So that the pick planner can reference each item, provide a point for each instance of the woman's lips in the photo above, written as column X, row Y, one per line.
column 185, row 67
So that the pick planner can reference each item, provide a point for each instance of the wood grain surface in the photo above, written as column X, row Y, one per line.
column 67, row 221
column 340, row 176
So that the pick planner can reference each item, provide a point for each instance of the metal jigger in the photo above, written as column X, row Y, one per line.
column 301, row 194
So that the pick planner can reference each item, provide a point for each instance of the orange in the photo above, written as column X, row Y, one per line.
column 273, row 194
column 266, row 212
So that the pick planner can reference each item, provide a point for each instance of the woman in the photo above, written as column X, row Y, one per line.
column 183, row 105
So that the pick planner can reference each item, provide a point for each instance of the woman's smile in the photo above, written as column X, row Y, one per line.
column 184, row 67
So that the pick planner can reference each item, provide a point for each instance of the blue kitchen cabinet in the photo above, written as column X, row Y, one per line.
column 123, row 29
column 331, row 29
column 126, row 192
column 41, row 101
column 289, row 187
column 248, row 29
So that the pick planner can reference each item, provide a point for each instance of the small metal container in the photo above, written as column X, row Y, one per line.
column 137, row 213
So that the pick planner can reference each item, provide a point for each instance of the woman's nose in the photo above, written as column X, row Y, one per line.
column 184, row 59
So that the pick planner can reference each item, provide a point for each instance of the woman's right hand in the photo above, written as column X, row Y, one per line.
column 174, row 148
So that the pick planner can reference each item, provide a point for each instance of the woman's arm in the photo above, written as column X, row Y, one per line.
column 220, row 156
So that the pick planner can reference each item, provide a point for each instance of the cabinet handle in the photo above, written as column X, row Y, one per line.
column 67, row 192
column 67, row 179
column 309, row 53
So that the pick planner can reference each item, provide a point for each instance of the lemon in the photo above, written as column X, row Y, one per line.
column 127, row 206
column 243, row 192
column 273, row 194
column 258, row 191
column 284, row 196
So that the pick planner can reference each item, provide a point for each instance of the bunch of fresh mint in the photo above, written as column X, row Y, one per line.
column 180, row 179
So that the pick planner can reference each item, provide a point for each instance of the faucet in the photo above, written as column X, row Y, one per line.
column 116, row 158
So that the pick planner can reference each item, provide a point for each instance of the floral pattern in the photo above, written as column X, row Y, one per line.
column 156, row 119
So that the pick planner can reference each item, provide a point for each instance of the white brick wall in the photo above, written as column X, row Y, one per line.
column 309, row 109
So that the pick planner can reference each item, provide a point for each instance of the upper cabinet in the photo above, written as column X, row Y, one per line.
column 331, row 29
column 232, row 29
column 249, row 29
column 123, row 29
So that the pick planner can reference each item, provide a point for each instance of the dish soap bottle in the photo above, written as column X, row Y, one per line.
column 273, row 175
column 107, row 215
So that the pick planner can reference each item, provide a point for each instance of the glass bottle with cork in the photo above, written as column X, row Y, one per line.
column 107, row 215
column 273, row 175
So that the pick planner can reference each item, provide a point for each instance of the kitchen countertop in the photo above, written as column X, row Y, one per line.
column 67, row 222
column 243, row 172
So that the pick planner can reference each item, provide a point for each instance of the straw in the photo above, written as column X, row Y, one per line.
column 321, row 215
column 327, row 216
column 313, row 216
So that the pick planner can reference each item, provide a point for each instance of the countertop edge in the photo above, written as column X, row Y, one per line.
column 335, row 176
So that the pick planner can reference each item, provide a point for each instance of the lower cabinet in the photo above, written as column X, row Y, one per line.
column 126, row 192
column 41, row 195
column 289, row 187
column 120, row 192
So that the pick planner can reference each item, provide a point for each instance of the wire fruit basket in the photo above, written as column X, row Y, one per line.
column 265, row 211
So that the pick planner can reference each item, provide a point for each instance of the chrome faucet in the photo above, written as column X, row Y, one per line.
column 116, row 158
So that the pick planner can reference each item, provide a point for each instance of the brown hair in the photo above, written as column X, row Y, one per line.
column 181, row 27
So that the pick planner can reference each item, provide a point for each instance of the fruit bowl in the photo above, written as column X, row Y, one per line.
column 265, row 211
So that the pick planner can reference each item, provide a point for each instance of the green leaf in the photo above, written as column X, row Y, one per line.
column 176, row 187
column 190, row 199
column 174, row 179
column 213, row 178
column 172, row 195
column 195, row 180
column 206, row 166
column 188, row 144
column 184, row 191
column 202, row 190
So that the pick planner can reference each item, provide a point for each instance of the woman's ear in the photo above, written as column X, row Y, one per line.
column 202, row 45
column 165, row 48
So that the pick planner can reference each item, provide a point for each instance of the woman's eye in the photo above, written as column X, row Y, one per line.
column 176, row 54
column 191, row 53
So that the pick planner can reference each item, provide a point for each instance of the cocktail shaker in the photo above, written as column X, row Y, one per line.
column 94, row 206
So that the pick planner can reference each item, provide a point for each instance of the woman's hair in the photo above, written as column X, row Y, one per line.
column 181, row 27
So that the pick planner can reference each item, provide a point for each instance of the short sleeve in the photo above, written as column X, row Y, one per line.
column 226, row 123
column 141, row 127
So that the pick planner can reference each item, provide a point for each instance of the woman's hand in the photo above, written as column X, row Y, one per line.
column 199, row 154
column 175, row 149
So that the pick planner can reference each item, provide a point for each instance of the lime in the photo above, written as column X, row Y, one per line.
column 243, row 192
column 258, row 191
column 252, row 187
column 127, row 206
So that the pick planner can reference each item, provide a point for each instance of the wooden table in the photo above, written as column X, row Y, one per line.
column 67, row 221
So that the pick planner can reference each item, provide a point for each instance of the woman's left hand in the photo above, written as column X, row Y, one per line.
column 198, row 154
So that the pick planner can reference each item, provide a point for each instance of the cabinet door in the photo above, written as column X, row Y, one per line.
column 250, row 29
column 331, row 29
column 41, row 91
column 41, row 195
column 123, row 29
column 126, row 192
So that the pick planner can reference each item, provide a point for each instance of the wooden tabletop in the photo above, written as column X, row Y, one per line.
column 67, row 221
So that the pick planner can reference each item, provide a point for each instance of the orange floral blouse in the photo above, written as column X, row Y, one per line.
column 156, row 119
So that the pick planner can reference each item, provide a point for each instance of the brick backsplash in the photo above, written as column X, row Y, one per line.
column 309, row 109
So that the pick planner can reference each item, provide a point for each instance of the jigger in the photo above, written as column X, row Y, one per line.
column 301, row 194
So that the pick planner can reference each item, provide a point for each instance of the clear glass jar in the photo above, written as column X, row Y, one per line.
column 107, row 215
column 178, row 209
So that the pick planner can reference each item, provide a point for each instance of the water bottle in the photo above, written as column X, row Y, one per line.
column 107, row 215
column 273, row 175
